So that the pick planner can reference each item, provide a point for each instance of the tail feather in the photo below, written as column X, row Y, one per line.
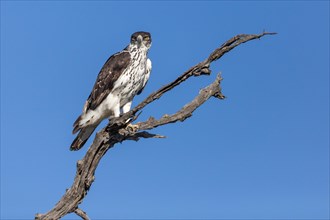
column 82, row 137
column 76, row 126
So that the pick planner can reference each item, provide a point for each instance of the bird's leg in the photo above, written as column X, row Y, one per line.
column 130, row 127
column 115, row 112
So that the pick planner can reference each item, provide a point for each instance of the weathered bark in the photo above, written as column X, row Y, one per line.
column 117, row 132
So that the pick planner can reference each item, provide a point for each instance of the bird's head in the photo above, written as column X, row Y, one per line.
column 141, row 39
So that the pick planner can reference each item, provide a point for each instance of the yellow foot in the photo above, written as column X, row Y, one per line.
column 132, row 128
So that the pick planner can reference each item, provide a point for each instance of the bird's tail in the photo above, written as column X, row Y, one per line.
column 82, row 137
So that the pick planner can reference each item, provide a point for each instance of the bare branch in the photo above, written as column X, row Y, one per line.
column 81, row 214
column 136, row 136
column 232, row 43
column 116, row 132
column 186, row 112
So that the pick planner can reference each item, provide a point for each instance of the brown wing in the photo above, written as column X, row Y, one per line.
column 110, row 72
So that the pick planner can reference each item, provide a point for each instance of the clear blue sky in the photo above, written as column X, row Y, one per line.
column 261, row 153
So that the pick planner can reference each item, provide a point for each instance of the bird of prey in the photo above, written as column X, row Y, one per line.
column 123, row 76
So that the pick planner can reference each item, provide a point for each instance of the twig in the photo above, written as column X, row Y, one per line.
column 81, row 214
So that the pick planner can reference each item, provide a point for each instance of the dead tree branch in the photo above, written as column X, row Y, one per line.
column 82, row 214
column 186, row 112
column 116, row 132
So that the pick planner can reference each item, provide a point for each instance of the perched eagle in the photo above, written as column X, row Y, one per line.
column 123, row 76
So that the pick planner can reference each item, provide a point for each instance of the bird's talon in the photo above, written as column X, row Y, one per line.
column 132, row 128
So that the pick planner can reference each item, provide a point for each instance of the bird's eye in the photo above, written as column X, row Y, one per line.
column 146, row 38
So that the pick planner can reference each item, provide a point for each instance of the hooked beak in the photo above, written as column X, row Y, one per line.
column 139, row 40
